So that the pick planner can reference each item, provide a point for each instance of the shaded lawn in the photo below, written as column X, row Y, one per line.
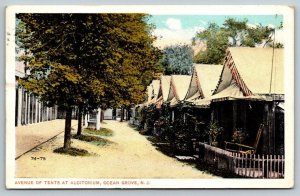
column 93, row 140
column 101, row 132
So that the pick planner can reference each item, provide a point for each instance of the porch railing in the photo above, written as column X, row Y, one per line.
column 247, row 165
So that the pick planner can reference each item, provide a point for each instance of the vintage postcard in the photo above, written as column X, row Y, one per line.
column 165, row 96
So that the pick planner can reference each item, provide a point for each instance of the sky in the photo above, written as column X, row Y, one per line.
column 179, row 29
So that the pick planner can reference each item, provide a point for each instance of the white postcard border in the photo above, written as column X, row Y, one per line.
column 288, row 16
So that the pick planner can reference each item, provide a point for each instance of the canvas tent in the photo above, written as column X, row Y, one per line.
column 164, row 88
column 249, row 89
column 152, row 91
column 178, row 88
column 203, row 82
column 251, row 72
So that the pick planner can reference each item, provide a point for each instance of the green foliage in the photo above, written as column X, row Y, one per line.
column 239, row 135
column 233, row 33
column 72, row 151
column 147, row 117
column 86, row 60
column 92, row 60
column 214, row 130
column 93, row 140
column 177, row 59
column 101, row 132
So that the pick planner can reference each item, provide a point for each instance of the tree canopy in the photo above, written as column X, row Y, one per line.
column 177, row 59
column 88, row 60
column 233, row 33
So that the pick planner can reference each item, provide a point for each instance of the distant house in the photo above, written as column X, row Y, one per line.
column 28, row 107
column 108, row 114
column 250, row 92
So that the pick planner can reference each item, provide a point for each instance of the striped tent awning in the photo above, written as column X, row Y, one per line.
column 233, row 92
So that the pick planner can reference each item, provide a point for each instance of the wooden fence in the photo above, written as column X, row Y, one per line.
column 247, row 165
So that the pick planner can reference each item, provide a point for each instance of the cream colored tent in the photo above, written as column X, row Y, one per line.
column 203, row 82
column 178, row 88
column 251, row 73
column 152, row 91
column 164, row 88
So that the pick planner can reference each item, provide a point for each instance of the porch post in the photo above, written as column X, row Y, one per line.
column 32, row 103
column 244, row 114
column 98, row 116
column 26, row 108
column 47, row 113
column 36, row 110
column 23, row 107
column 29, row 109
column 272, row 127
column 173, row 115
column 56, row 109
column 234, row 112
column 20, row 99
column 85, row 121
column 268, row 133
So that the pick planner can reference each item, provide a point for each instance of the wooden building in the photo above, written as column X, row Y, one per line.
column 28, row 107
column 250, row 92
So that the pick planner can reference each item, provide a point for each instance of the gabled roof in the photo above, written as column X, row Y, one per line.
column 204, row 81
column 254, row 70
column 152, row 91
column 155, row 88
column 149, row 92
column 178, row 88
column 164, row 87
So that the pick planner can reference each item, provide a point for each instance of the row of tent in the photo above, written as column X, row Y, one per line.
column 247, row 73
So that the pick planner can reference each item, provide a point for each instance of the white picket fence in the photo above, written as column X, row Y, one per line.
column 258, row 166
column 247, row 165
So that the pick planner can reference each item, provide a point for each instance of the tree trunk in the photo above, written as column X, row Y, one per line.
column 122, row 114
column 102, row 116
column 67, row 137
column 128, row 113
column 79, row 128
column 125, row 114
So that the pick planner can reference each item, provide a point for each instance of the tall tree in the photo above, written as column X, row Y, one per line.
column 233, row 33
column 177, row 59
column 87, row 60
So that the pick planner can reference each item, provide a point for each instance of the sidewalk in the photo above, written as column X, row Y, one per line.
column 30, row 136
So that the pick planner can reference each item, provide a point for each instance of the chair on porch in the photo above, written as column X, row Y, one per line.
column 245, row 149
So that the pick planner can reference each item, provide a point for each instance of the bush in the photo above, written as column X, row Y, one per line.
column 93, row 139
column 102, row 131
column 72, row 151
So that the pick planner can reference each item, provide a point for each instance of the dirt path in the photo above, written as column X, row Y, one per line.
column 130, row 156
column 29, row 136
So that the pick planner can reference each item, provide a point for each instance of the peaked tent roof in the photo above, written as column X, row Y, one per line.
column 178, row 88
column 253, row 71
column 155, row 86
column 149, row 92
column 164, row 88
column 204, row 81
column 152, row 91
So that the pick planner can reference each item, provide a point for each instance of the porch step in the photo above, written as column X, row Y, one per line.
column 185, row 158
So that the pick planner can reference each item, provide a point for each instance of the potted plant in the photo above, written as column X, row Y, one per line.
column 239, row 135
column 214, row 130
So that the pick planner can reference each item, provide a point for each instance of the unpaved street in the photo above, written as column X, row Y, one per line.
column 130, row 155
